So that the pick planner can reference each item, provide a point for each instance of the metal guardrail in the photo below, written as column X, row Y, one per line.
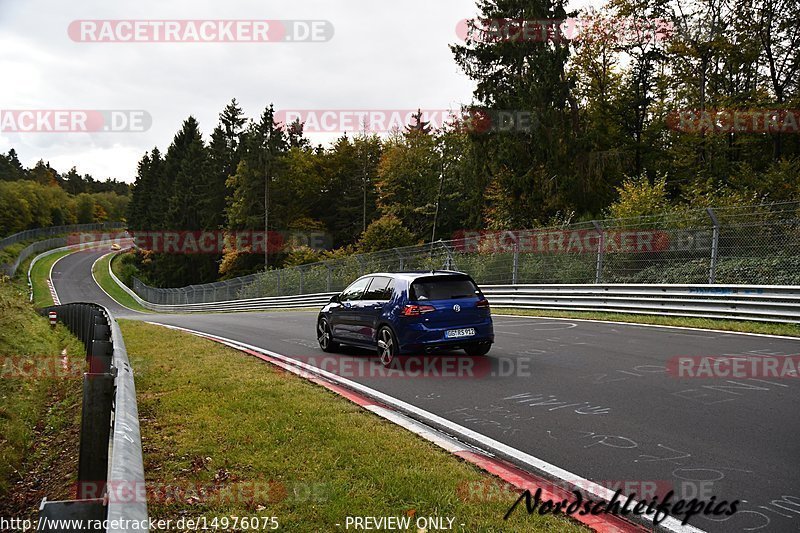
column 110, row 460
column 50, row 231
column 11, row 268
column 764, row 303
column 252, row 304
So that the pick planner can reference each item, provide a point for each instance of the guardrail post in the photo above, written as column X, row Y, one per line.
column 601, row 247
column 515, row 265
column 98, row 395
column 712, row 268
column 107, row 454
column 100, row 347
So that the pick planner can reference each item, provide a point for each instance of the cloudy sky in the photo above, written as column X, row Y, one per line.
column 383, row 55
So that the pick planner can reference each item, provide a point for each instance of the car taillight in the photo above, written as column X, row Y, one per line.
column 416, row 310
column 482, row 304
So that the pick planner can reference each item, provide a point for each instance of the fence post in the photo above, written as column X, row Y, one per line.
column 402, row 259
column 712, row 269
column 515, row 265
column 302, row 278
column 328, row 278
column 360, row 264
column 449, row 264
column 601, row 247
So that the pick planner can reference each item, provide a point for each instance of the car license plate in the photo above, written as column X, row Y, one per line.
column 458, row 333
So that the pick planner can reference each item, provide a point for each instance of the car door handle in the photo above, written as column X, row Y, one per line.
column 377, row 307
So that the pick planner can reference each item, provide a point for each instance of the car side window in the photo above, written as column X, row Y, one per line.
column 380, row 289
column 355, row 290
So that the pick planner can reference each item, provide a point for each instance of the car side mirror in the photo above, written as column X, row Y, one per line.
column 335, row 299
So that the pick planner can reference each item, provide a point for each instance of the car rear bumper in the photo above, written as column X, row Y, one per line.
column 422, row 338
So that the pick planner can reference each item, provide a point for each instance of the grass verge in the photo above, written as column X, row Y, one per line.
column 791, row 330
column 39, row 410
column 104, row 279
column 215, row 418
column 39, row 275
column 10, row 252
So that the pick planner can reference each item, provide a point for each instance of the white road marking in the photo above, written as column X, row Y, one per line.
column 634, row 324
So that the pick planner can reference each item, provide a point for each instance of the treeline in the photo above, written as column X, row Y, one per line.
column 40, row 196
column 72, row 182
column 602, row 141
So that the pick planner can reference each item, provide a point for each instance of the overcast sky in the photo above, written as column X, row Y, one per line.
column 384, row 55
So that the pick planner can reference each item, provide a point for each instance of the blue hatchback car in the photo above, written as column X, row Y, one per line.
column 408, row 312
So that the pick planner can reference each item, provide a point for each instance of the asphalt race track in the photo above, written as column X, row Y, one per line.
column 592, row 398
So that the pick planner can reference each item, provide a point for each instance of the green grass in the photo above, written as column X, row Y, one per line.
column 39, row 274
column 791, row 330
column 104, row 279
column 212, row 415
column 10, row 252
column 34, row 412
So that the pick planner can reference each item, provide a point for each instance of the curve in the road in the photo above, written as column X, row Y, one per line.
column 593, row 398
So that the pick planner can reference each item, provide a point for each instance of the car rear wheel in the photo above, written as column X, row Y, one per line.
column 477, row 350
column 324, row 336
column 387, row 346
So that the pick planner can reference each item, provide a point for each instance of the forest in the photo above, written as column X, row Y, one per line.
column 627, row 122
column 40, row 196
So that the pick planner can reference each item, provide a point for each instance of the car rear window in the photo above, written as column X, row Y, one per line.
column 443, row 288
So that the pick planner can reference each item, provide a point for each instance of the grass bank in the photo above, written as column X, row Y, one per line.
column 39, row 275
column 39, row 409
column 215, row 418
column 104, row 279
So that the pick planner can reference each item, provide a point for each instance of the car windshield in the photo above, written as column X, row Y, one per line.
column 443, row 288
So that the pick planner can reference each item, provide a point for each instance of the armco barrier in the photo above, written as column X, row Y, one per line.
column 252, row 304
column 52, row 231
column 765, row 303
column 110, row 440
column 10, row 269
